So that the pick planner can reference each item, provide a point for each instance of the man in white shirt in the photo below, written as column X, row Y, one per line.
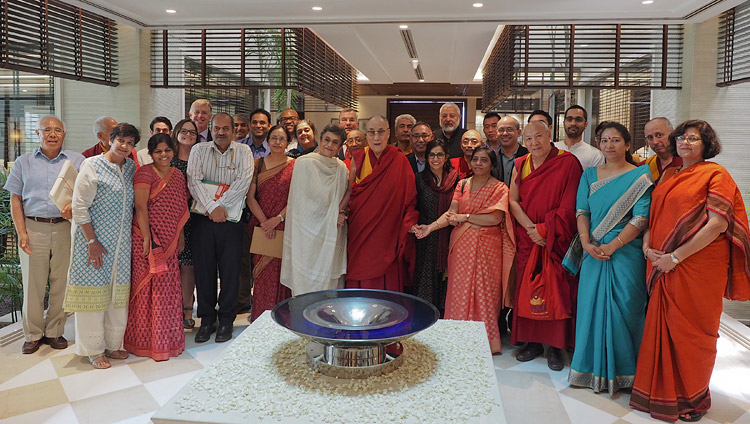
column 159, row 125
column 217, row 241
column 576, row 121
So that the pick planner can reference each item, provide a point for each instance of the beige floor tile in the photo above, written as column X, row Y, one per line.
column 70, row 364
column 33, row 397
column 530, row 397
column 616, row 405
column 62, row 413
column 150, row 370
column 14, row 362
column 115, row 406
column 42, row 371
column 725, row 409
column 96, row 382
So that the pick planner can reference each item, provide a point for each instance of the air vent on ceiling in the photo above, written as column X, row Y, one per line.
column 418, row 71
column 702, row 9
column 411, row 49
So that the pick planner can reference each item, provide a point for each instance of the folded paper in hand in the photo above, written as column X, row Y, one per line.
column 234, row 213
column 62, row 191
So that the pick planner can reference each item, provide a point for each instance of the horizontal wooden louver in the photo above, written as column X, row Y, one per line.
column 626, row 56
column 733, row 65
column 50, row 37
column 276, row 58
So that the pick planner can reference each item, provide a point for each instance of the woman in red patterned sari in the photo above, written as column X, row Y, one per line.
column 481, row 250
column 697, row 248
column 155, row 311
column 267, row 199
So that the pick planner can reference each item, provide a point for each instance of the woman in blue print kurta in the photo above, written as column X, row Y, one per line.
column 99, row 277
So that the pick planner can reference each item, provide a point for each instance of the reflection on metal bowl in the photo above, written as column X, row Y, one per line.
column 354, row 333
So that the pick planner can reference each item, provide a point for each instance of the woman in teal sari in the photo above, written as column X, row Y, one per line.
column 612, row 211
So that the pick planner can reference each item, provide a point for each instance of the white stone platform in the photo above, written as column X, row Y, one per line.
column 263, row 377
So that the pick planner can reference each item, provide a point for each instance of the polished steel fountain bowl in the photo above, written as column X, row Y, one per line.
column 355, row 333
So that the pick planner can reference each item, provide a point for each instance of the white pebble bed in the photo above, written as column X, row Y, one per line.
column 444, row 378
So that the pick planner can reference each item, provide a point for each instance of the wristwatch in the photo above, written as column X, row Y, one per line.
column 91, row 241
column 281, row 218
column 674, row 258
column 467, row 216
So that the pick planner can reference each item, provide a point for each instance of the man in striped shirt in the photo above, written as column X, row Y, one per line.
column 217, row 240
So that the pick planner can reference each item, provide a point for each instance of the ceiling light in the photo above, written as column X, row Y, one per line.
column 404, row 26
column 171, row 11
column 415, row 61
column 317, row 8
column 421, row 80
column 477, row 4
column 647, row 1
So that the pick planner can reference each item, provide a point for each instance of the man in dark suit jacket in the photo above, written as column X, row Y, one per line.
column 502, row 137
column 450, row 129
column 421, row 134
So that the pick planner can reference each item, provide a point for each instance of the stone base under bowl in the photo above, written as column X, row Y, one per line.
column 354, row 361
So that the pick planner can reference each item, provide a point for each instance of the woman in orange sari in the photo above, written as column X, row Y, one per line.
column 481, row 249
column 267, row 199
column 697, row 248
column 155, row 311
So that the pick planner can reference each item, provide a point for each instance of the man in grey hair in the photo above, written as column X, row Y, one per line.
column 403, row 125
column 450, row 129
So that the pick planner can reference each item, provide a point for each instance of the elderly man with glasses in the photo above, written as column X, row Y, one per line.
column 43, row 234
column 380, row 251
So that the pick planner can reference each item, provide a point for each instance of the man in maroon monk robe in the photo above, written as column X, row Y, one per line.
column 543, row 202
column 380, row 250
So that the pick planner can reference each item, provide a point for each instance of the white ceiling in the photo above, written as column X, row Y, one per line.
column 451, row 37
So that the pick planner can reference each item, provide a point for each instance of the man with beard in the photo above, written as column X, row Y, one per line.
column 382, row 209
column 657, row 133
column 421, row 134
column 404, row 123
column 450, row 129
column 289, row 118
column 542, row 200
column 502, row 137
column 576, row 121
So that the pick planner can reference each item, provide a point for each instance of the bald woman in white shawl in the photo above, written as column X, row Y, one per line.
column 314, row 256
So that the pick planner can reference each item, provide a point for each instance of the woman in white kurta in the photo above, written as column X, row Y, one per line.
column 314, row 255
column 99, row 278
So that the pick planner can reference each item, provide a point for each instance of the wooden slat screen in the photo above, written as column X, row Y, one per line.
column 50, row 37
column 618, row 56
column 733, row 65
column 277, row 58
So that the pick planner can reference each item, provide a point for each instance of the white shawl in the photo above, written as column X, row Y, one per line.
column 314, row 256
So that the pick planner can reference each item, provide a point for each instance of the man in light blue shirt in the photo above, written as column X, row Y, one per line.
column 260, row 124
column 43, row 234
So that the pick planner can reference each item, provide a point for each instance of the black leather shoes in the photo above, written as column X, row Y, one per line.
column 224, row 333
column 204, row 333
column 531, row 351
column 554, row 359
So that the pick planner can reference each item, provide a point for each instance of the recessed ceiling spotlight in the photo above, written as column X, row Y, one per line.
column 317, row 8
column 415, row 61
column 421, row 80
column 647, row 1
column 478, row 4
column 404, row 26
column 171, row 11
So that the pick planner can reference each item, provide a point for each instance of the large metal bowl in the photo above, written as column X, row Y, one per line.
column 355, row 333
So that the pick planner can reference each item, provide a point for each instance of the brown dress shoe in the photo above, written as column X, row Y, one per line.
column 31, row 347
column 55, row 343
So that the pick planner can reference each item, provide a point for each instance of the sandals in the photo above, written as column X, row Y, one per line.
column 116, row 354
column 188, row 323
column 692, row 416
column 99, row 362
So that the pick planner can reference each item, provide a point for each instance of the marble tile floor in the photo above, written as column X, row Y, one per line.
column 56, row 386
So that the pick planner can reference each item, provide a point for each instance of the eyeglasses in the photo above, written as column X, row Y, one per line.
column 420, row 136
column 683, row 139
column 438, row 155
column 277, row 138
column 379, row 133
column 48, row 131
column 188, row 132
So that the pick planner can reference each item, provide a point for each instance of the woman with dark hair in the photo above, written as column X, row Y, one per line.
column 99, row 278
column 155, row 314
column 314, row 255
column 305, row 132
column 267, row 199
column 697, row 251
column 481, row 249
column 184, row 136
column 612, row 208
column 435, row 185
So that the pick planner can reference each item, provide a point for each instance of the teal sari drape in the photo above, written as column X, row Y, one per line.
column 611, row 294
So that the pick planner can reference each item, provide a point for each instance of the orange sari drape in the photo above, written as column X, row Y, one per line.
column 678, row 350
